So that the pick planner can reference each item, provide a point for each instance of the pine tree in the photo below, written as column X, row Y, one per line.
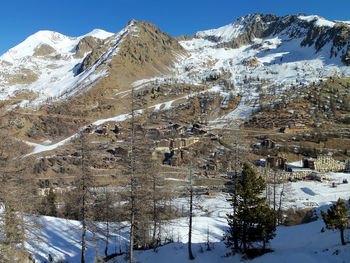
column 51, row 203
column 253, row 220
column 48, row 205
column 337, row 217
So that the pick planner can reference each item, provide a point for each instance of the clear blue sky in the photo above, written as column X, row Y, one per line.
column 21, row 18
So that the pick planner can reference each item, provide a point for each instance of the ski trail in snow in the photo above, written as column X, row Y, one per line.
column 243, row 110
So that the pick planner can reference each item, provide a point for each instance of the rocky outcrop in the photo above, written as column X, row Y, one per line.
column 346, row 57
column 149, row 45
column 87, row 44
column 43, row 50
column 310, row 31
column 92, row 57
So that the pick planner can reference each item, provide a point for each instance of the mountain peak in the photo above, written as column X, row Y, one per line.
column 132, row 22
column 99, row 33
column 317, row 20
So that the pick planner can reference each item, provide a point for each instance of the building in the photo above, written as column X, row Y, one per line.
column 323, row 164
column 296, row 127
column 299, row 173
column 268, row 143
column 276, row 162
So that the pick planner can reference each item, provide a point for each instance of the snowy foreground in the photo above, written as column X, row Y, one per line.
column 302, row 243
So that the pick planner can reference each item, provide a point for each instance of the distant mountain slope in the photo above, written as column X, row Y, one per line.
column 49, row 65
column 45, row 64
column 90, row 77
column 313, row 30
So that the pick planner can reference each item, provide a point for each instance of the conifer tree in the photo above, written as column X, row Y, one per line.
column 48, row 206
column 253, row 221
column 51, row 203
column 337, row 217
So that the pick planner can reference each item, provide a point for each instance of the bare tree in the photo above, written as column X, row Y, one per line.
column 82, row 195
column 190, row 254
column 18, row 198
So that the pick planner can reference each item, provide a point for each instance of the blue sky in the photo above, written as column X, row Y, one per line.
column 21, row 18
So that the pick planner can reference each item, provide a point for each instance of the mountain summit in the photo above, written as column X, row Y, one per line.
column 312, row 30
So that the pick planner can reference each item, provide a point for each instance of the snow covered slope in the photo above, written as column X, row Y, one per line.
column 273, row 49
column 263, row 53
column 302, row 243
column 257, row 51
column 45, row 65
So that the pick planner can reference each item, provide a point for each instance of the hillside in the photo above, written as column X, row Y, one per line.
column 257, row 55
column 162, row 110
column 293, row 243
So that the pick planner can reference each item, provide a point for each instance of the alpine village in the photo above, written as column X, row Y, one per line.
column 229, row 145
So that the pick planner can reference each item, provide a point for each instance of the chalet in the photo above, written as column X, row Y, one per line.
column 296, row 127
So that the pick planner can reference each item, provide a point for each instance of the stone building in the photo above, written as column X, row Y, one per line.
column 276, row 162
column 323, row 164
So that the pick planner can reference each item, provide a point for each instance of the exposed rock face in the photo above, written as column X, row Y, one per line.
column 292, row 26
column 346, row 57
column 147, row 45
column 256, row 27
column 97, row 48
column 43, row 50
column 86, row 45
column 251, row 62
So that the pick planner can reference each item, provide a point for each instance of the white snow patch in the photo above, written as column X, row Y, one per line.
column 318, row 21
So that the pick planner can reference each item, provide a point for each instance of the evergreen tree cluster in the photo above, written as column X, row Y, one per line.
column 337, row 217
column 252, row 222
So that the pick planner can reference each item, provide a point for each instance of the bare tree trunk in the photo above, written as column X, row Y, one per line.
column 234, row 198
column 83, row 191
column 107, row 238
column 155, row 217
column 83, row 232
column 274, row 191
column 83, row 241
column 342, row 237
column 280, row 207
column 22, row 227
column 190, row 254
column 244, row 237
column 132, row 180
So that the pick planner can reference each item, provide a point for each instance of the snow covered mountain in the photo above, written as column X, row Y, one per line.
column 46, row 64
column 288, row 49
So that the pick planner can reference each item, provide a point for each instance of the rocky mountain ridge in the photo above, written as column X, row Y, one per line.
column 28, row 65
column 216, row 75
column 313, row 30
